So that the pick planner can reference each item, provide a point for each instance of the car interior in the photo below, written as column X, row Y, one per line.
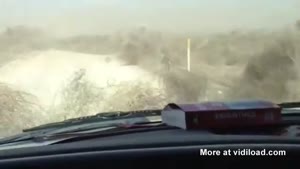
column 164, row 148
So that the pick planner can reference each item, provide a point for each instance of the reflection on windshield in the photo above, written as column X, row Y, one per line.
column 64, row 65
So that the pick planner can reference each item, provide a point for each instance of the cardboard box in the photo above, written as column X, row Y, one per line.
column 221, row 114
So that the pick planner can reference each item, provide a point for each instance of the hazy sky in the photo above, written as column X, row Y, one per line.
column 74, row 16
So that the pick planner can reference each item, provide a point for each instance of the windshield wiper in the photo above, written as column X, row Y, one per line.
column 111, row 121
column 149, row 126
column 100, row 117
column 108, row 116
column 87, row 125
column 287, row 105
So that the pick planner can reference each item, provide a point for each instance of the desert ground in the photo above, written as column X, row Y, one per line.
column 45, row 79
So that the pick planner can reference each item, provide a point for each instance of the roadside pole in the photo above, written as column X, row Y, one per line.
column 188, row 54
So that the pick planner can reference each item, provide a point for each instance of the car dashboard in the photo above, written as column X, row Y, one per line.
column 170, row 148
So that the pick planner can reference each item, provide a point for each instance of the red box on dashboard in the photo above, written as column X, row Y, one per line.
column 221, row 114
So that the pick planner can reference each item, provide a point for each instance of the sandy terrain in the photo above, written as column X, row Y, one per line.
column 44, row 73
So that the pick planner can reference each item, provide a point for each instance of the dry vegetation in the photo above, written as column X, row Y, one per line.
column 267, row 61
column 80, row 97
column 267, row 75
column 18, row 110
column 19, row 40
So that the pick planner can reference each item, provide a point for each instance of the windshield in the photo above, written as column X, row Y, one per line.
column 62, row 59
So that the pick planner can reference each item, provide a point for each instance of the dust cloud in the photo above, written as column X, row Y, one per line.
column 46, row 78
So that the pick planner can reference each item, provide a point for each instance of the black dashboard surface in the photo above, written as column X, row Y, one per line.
column 151, row 139
column 173, row 148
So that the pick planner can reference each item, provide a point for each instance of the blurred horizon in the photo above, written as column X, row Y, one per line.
column 66, row 17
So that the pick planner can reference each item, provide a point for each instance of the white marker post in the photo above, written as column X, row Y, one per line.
column 188, row 54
